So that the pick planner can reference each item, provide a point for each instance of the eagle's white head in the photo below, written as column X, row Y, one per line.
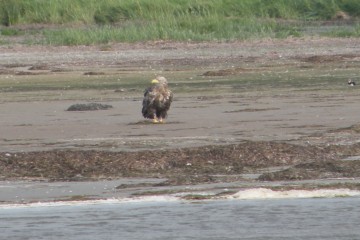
column 159, row 80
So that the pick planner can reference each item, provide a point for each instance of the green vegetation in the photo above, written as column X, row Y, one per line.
column 78, row 22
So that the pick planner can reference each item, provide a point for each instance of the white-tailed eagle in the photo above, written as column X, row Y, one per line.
column 157, row 100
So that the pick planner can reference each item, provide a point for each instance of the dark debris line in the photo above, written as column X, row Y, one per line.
column 204, row 161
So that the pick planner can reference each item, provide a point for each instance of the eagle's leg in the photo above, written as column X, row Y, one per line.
column 155, row 119
column 161, row 120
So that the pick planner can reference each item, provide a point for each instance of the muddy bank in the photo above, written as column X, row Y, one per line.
column 262, row 111
column 186, row 165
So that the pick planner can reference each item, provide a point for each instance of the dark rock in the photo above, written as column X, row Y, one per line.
column 89, row 107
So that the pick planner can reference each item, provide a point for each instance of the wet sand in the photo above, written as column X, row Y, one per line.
column 220, row 130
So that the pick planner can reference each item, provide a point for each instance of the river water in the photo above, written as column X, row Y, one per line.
column 253, row 214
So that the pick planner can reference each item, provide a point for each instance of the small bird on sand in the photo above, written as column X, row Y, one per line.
column 157, row 100
column 351, row 82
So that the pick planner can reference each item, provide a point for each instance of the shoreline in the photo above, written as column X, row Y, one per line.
column 281, row 167
column 244, row 113
column 38, row 194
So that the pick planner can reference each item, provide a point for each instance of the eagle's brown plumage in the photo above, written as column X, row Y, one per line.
column 157, row 100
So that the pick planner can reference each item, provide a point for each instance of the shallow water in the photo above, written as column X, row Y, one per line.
column 170, row 218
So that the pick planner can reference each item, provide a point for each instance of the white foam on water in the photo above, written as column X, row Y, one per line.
column 144, row 199
column 247, row 194
column 264, row 193
column 160, row 198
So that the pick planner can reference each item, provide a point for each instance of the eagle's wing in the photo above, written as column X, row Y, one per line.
column 164, row 101
column 148, row 109
column 168, row 98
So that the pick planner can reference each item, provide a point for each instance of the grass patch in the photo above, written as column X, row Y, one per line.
column 344, row 31
column 10, row 32
column 85, row 22
column 208, row 29
column 114, row 11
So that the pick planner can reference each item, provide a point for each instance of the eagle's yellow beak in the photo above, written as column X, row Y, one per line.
column 154, row 81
